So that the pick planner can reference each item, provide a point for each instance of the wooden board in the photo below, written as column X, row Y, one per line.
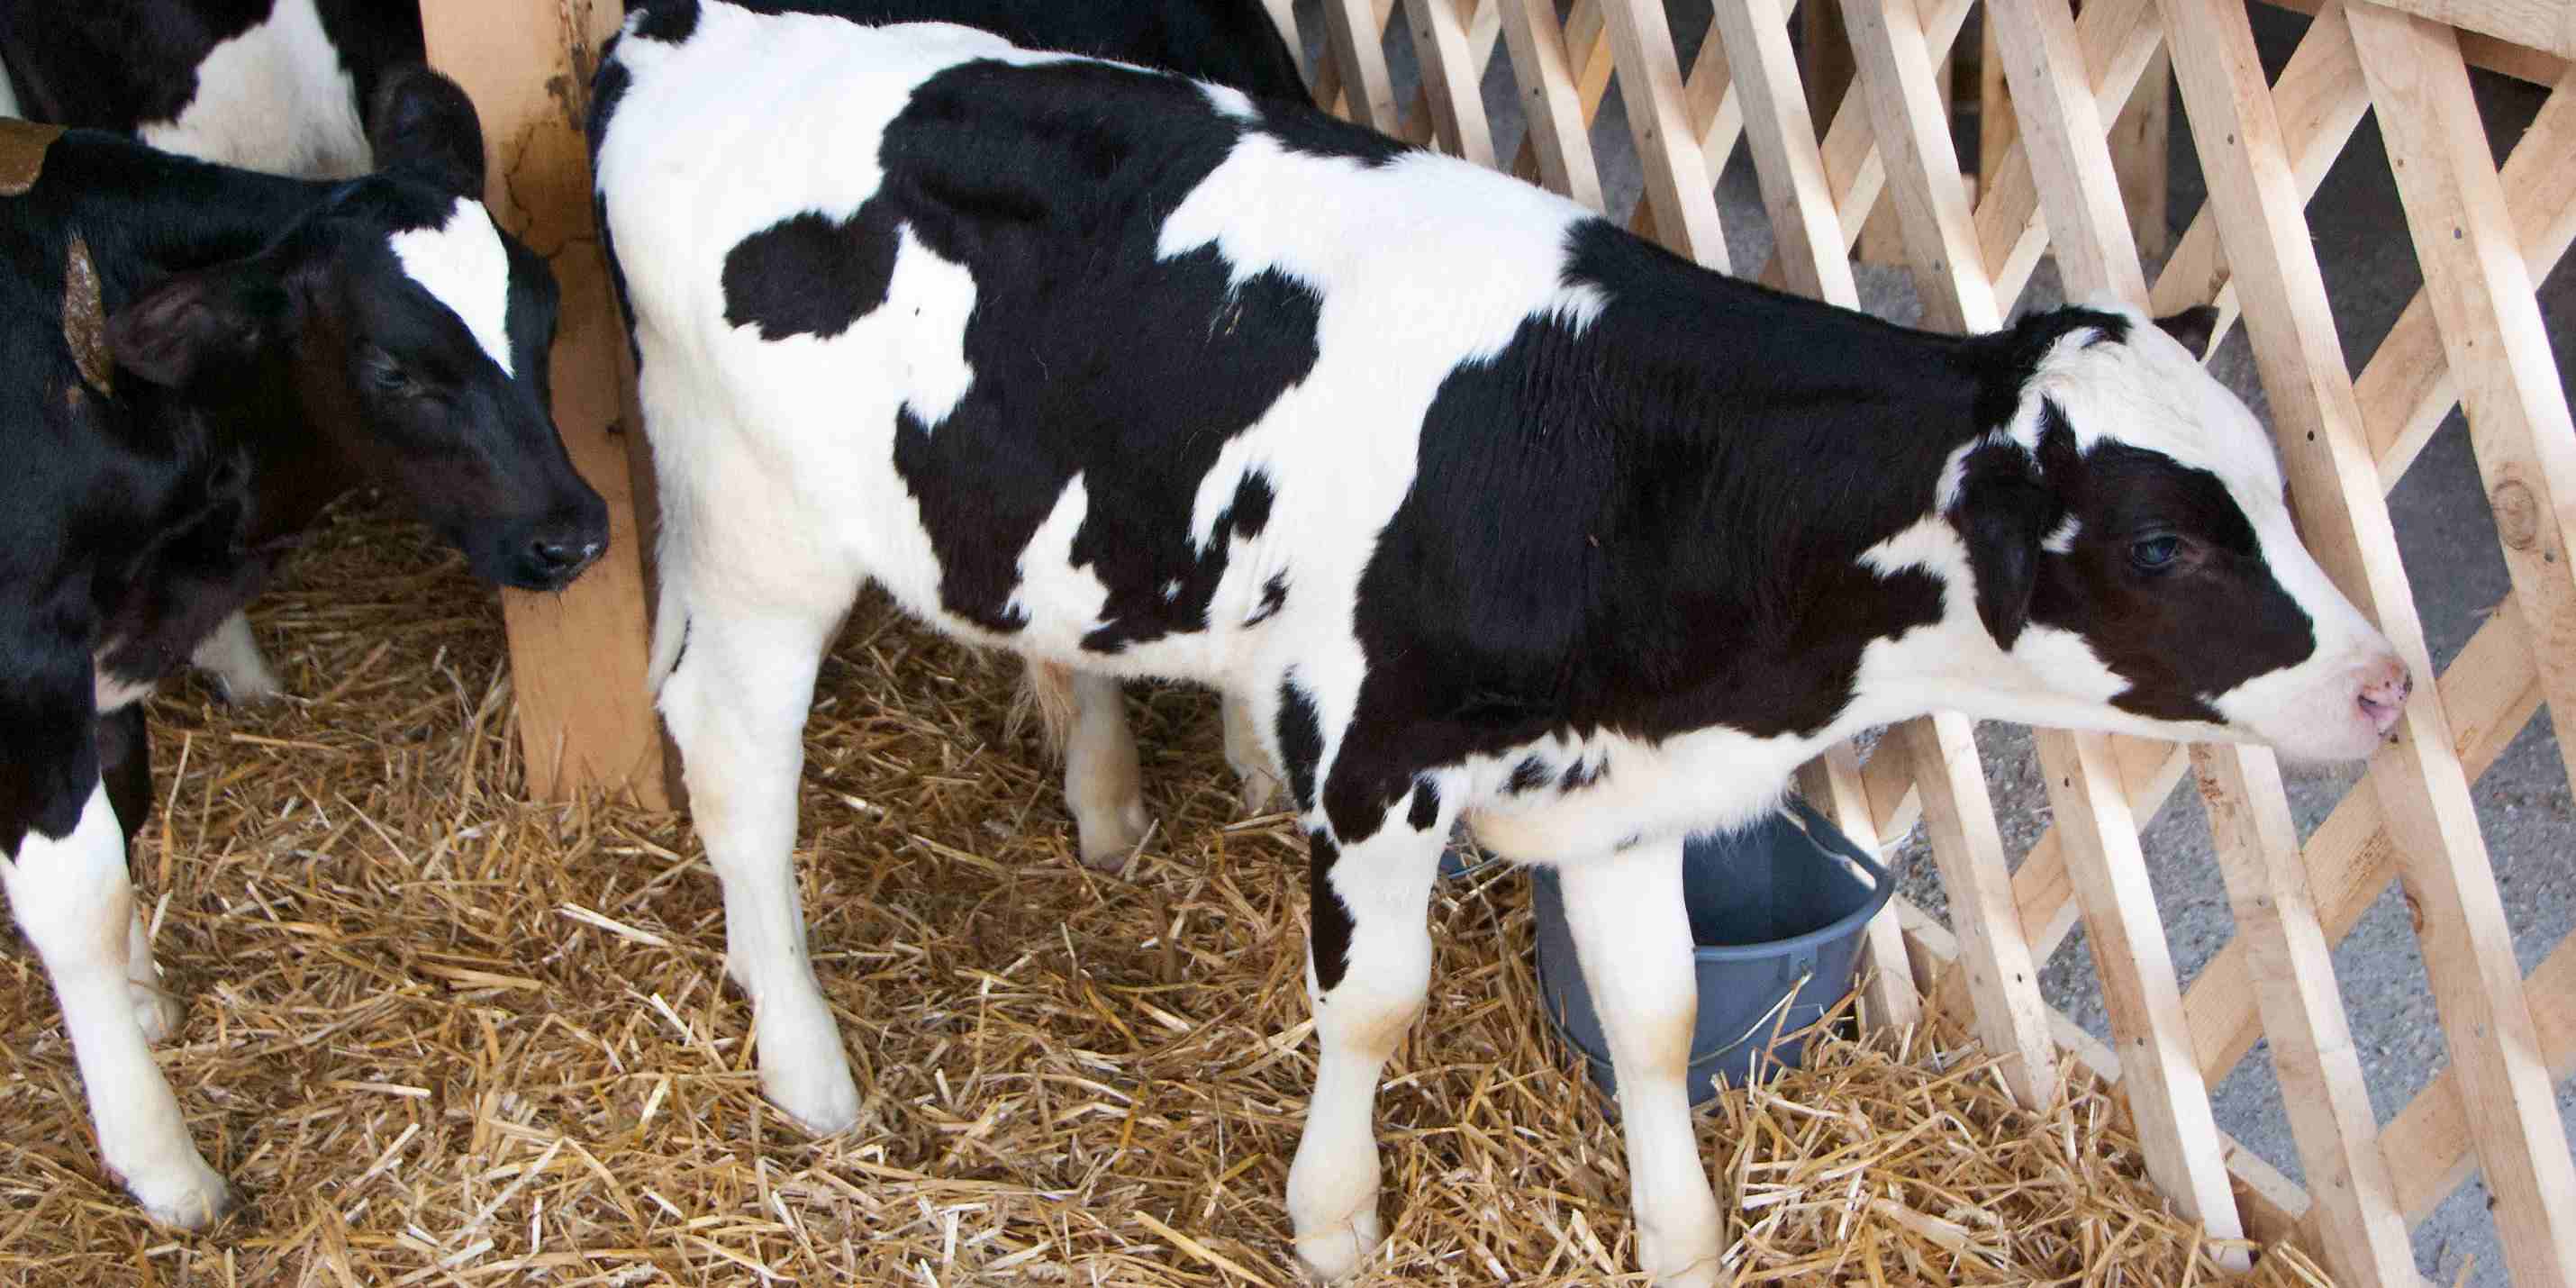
column 577, row 659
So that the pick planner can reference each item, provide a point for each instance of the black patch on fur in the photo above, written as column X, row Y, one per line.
column 1093, row 353
column 1527, row 776
column 808, row 274
column 1301, row 740
column 1274, row 596
column 1330, row 941
column 1582, row 774
column 1316, row 134
column 670, row 21
column 1426, row 805
column 125, row 765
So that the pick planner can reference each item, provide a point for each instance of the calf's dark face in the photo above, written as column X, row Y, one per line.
column 2131, row 545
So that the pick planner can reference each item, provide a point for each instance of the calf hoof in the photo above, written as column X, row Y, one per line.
column 1680, row 1263
column 819, row 1096
column 1260, row 793
column 189, row 1196
column 1109, row 837
column 157, row 1011
column 248, row 688
column 1336, row 1252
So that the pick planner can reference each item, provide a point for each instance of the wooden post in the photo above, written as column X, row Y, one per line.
column 577, row 659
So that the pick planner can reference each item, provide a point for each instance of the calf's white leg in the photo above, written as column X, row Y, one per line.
column 156, row 1011
column 1104, row 785
column 1248, row 756
column 1382, row 885
column 74, row 901
column 736, row 705
column 232, row 656
column 1632, row 933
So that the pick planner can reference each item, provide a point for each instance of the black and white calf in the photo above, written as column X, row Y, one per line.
column 282, row 86
column 1488, row 509
column 197, row 359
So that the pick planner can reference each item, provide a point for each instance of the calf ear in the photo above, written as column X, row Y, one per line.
column 2192, row 328
column 2003, row 513
column 194, row 323
column 421, row 124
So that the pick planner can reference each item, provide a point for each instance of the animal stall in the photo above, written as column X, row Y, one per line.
column 466, row 1036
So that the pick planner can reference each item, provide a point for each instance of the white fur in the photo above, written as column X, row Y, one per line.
column 9, row 96
column 462, row 265
column 273, row 98
column 232, row 655
column 73, row 900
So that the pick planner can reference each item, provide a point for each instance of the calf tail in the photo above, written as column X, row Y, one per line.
column 1046, row 691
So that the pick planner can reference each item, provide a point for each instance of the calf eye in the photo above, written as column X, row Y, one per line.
column 383, row 373
column 2155, row 554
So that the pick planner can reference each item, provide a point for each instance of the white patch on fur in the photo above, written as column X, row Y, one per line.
column 273, row 98
column 1052, row 586
column 462, row 264
column 1230, row 101
column 9, row 96
column 2061, row 539
column 110, row 693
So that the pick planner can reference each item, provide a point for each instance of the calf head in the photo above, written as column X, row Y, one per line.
column 411, row 335
column 2131, row 545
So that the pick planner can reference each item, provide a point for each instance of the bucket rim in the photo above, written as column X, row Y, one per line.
column 1830, row 841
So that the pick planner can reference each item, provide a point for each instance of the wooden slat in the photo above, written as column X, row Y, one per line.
column 2065, row 133
column 2118, row 38
column 1678, row 185
column 577, row 658
column 1452, row 79
column 1911, row 123
column 1832, row 783
column 1283, row 15
column 2418, row 778
column 2361, row 1233
column 2319, row 99
column 2011, row 1018
column 2485, row 52
column 2432, row 1133
column 1551, row 100
column 1804, row 228
column 1355, row 37
column 2545, row 25
column 2407, row 389
column 2481, row 296
column 2176, row 1132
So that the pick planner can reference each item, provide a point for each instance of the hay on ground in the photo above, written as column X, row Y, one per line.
column 441, row 1036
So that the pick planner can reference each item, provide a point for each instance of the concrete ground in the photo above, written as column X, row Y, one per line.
column 2448, row 540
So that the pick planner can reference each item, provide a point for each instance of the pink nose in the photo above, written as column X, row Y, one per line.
column 2384, row 686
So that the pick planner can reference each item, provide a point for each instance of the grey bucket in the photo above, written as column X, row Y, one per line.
column 1773, row 916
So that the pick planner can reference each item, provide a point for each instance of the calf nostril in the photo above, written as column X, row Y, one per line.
column 561, row 554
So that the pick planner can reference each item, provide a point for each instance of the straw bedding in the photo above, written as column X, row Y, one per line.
column 438, row 1035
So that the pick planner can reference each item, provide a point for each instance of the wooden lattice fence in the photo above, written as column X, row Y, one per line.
column 2471, row 337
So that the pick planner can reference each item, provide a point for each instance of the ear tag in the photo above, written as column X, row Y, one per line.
column 22, row 154
column 85, row 319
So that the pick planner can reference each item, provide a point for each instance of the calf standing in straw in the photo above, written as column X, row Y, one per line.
column 1485, row 508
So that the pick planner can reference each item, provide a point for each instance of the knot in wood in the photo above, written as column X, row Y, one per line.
column 2517, row 514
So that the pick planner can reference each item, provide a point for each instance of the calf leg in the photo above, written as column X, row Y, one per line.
column 1250, row 759
column 1367, row 969
column 1632, row 934
column 736, row 704
column 74, row 902
column 1103, row 781
column 232, row 656
column 125, row 768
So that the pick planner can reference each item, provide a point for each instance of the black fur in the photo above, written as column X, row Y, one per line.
column 1329, row 940
column 1301, row 740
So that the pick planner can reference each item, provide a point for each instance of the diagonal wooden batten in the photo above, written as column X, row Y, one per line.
column 2355, row 1212
column 1453, row 60
column 1805, row 230
column 1678, row 185
column 1831, row 782
column 2118, row 40
column 1283, row 15
column 2408, row 387
column 2418, row 777
column 1911, row 123
column 2010, row 1016
column 2063, row 131
column 2319, row 99
column 1551, row 101
column 2176, row 1131
column 1355, row 39
column 2538, row 24
column 2432, row 1132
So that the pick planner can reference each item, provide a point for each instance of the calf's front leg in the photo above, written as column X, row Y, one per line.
column 1368, row 967
column 1104, row 782
column 1631, row 931
column 73, row 899
column 736, row 704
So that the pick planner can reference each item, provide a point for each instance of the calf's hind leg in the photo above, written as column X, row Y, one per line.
column 125, row 768
column 1368, row 967
column 736, row 702
column 1632, row 934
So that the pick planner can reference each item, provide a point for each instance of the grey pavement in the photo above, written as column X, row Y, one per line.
column 2448, row 541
